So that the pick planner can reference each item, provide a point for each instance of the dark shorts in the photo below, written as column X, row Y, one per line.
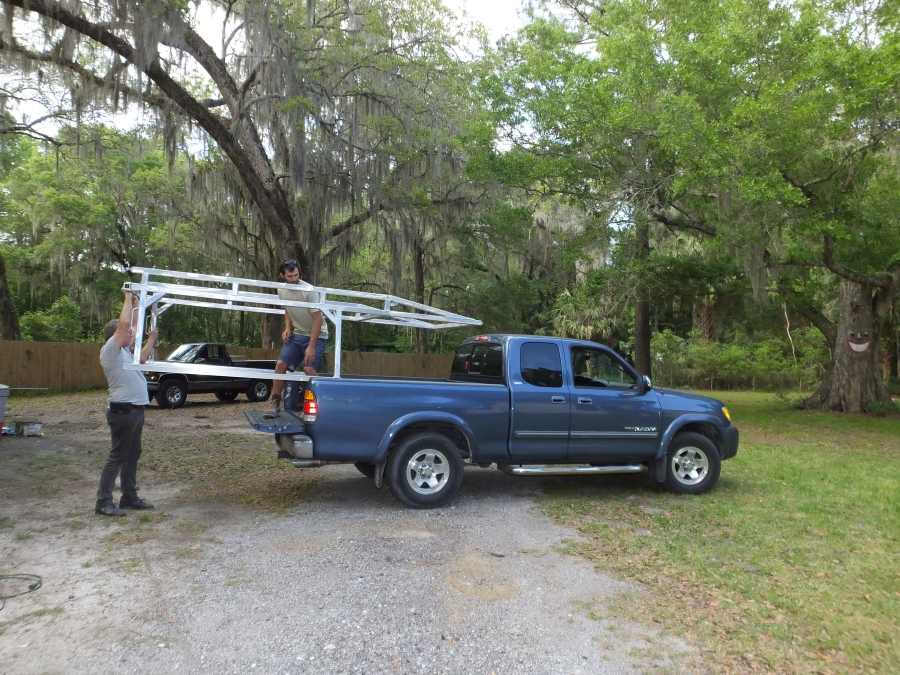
column 293, row 351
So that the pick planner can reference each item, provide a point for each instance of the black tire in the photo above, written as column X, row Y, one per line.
column 171, row 394
column 259, row 390
column 439, row 461
column 366, row 469
column 226, row 396
column 692, row 464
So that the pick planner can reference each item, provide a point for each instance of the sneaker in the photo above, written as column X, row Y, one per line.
column 135, row 503
column 108, row 509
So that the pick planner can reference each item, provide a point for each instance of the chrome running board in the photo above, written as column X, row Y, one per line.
column 569, row 470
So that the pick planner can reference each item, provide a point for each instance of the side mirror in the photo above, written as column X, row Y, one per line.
column 646, row 384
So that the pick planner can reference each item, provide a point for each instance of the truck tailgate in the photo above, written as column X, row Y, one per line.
column 268, row 422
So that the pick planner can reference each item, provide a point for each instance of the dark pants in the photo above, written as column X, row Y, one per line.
column 293, row 353
column 125, row 428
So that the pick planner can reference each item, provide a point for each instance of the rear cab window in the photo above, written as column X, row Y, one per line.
column 478, row 362
column 540, row 364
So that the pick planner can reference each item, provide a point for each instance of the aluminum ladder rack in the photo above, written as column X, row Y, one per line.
column 158, row 290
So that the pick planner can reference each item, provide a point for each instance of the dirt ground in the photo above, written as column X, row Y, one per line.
column 250, row 564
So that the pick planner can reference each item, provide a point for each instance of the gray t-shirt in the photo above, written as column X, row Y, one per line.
column 125, row 386
column 302, row 317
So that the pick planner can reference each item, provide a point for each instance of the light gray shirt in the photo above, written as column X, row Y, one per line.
column 302, row 317
column 125, row 386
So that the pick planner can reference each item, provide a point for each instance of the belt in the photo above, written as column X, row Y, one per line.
column 116, row 407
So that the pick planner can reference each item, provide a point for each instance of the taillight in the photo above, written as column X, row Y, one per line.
column 310, row 406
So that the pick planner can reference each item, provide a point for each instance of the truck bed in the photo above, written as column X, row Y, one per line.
column 375, row 403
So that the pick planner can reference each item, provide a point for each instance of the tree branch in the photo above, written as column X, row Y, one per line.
column 355, row 219
column 54, row 58
column 882, row 281
column 263, row 189
column 672, row 216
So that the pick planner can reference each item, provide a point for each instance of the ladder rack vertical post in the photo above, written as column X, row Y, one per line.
column 154, row 321
column 338, row 321
column 141, row 316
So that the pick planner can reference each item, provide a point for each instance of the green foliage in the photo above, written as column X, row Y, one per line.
column 60, row 323
column 766, row 363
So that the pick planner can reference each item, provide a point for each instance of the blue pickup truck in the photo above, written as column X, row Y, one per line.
column 531, row 405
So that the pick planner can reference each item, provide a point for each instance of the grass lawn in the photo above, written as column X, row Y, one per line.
column 791, row 564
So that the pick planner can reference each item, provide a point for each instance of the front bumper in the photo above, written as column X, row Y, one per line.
column 729, row 446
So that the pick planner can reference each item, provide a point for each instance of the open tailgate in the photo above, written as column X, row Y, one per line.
column 270, row 423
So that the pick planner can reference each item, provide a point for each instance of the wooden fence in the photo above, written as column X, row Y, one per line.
column 70, row 366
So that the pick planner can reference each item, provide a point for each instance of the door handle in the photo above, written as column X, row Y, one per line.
column 585, row 399
column 557, row 399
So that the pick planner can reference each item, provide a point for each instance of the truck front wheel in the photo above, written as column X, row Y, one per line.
column 425, row 471
column 692, row 464
column 171, row 394
column 259, row 390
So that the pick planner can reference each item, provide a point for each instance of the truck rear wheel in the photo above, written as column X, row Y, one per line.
column 425, row 471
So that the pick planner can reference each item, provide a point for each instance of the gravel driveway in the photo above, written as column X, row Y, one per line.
column 341, row 580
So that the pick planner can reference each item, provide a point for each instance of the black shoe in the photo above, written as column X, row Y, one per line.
column 135, row 503
column 108, row 509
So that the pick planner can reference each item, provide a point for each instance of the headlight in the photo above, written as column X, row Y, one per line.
column 726, row 413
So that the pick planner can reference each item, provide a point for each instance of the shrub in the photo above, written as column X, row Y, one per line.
column 60, row 323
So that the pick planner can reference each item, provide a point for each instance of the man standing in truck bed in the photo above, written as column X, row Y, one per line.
column 305, row 331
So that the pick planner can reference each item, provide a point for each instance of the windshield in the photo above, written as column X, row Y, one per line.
column 185, row 353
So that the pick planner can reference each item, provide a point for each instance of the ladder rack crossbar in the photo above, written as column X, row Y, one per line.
column 219, row 371
column 225, row 296
column 211, row 291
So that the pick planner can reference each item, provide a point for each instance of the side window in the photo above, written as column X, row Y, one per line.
column 541, row 365
column 213, row 353
column 597, row 368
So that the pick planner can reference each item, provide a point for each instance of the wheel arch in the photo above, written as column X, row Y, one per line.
column 168, row 377
column 707, row 425
column 448, row 424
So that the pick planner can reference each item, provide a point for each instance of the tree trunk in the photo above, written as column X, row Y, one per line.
column 704, row 317
column 854, row 382
column 9, row 324
column 271, row 329
column 642, row 309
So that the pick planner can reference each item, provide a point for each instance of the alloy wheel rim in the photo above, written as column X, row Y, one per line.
column 427, row 472
column 261, row 389
column 690, row 465
column 173, row 394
